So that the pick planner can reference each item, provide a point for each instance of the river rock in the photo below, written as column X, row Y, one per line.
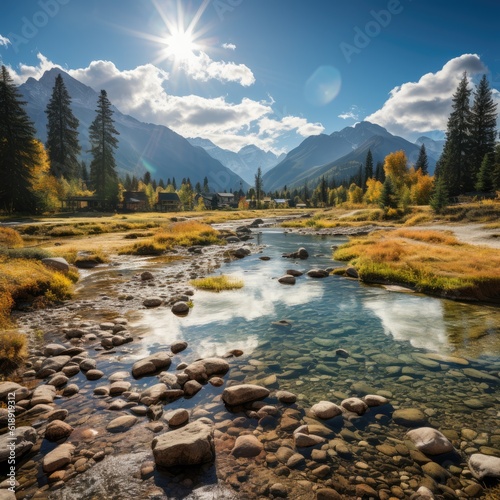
column 190, row 445
column 177, row 417
column 301, row 253
column 287, row 280
column 43, row 394
column 247, row 446
column 286, row 397
column 484, row 465
column 7, row 388
column 203, row 369
column 179, row 346
column 94, row 374
column 327, row 494
column 294, row 273
column 352, row 272
column 244, row 393
column 191, row 387
column 151, row 364
column 52, row 365
column 70, row 390
column 180, row 307
column 326, row 410
column 57, row 429
column 438, row 473
column 88, row 364
column 151, row 302
column 423, row 493
column 24, row 438
column 147, row 276
column 429, row 441
column 58, row 458
column 305, row 440
column 53, row 349
column 57, row 263
column 119, row 387
column 356, row 405
column 121, row 424
column 241, row 252
column 58, row 380
column 482, row 376
column 410, row 417
column 318, row 273
column 375, row 400
column 153, row 394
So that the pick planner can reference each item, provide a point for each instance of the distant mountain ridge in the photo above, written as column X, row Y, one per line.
column 245, row 162
column 142, row 146
column 338, row 156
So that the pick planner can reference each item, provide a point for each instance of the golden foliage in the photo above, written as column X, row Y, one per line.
column 217, row 283
column 12, row 345
column 373, row 191
column 10, row 238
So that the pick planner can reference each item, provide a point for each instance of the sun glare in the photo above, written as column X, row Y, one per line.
column 180, row 45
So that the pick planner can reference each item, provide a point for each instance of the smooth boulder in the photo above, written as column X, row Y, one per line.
column 58, row 458
column 192, row 444
column 483, row 466
column 430, row 441
column 151, row 365
column 244, row 393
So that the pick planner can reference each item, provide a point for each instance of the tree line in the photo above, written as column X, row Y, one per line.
column 33, row 176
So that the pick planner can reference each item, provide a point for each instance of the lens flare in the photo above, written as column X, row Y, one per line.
column 323, row 86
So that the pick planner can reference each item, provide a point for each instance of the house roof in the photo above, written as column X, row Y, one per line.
column 168, row 197
column 226, row 195
column 134, row 196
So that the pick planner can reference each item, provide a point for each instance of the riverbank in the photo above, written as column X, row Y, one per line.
column 346, row 449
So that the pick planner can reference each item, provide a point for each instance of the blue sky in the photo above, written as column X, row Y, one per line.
column 266, row 72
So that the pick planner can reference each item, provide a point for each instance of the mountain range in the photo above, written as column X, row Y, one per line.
column 339, row 155
column 165, row 154
column 142, row 146
column 245, row 162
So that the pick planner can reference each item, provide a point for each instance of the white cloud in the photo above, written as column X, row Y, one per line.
column 200, row 67
column 352, row 114
column 416, row 107
column 4, row 41
column 229, row 46
column 143, row 93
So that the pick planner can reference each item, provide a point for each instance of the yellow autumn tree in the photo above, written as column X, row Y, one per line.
column 421, row 188
column 355, row 193
column 396, row 167
column 45, row 185
column 373, row 191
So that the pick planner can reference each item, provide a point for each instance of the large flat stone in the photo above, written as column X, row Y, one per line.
column 244, row 393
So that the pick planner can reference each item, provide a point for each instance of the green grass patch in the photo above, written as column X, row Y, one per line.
column 217, row 283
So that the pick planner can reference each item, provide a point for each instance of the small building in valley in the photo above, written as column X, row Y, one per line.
column 135, row 201
column 168, row 202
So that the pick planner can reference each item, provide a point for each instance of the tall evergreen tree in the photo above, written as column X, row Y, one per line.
column 323, row 190
column 206, row 188
column 147, row 178
column 103, row 141
column 495, row 176
column 483, row 128
column 484, row 179
column 18, row 153
column 440, row 196
column 380, row 172
column 453, row 165
column 422, row 161
column 258, row 186
column 388, row 196
column 62, row 133
column 368, row 168
column 85, row 172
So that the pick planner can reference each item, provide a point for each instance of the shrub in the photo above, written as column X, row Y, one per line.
column 28, row 253
column 10, row 238
column 12, row 345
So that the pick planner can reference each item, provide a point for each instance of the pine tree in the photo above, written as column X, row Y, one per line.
column 495, row 176
column 484, row 176
column 258, row 186
column 440, row 197
column 85, row 172
column 103, row 141
column 388, row 197
column 18, row 152
column 62, row 133
column 368, row 168
column 147, row 178
column 380, row 172
column 453, row 165
column 422, row 161
column 483, row 127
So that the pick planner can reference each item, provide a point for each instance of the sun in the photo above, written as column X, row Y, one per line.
column 180, row 45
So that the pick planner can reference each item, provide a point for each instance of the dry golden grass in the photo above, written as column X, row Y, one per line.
column 10, row 238
column 23, row 280
column 431, row 263
column 13, row 345
column 185, row 233
column 217, row 283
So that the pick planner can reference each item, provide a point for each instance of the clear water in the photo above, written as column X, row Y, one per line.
column 387, row 334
